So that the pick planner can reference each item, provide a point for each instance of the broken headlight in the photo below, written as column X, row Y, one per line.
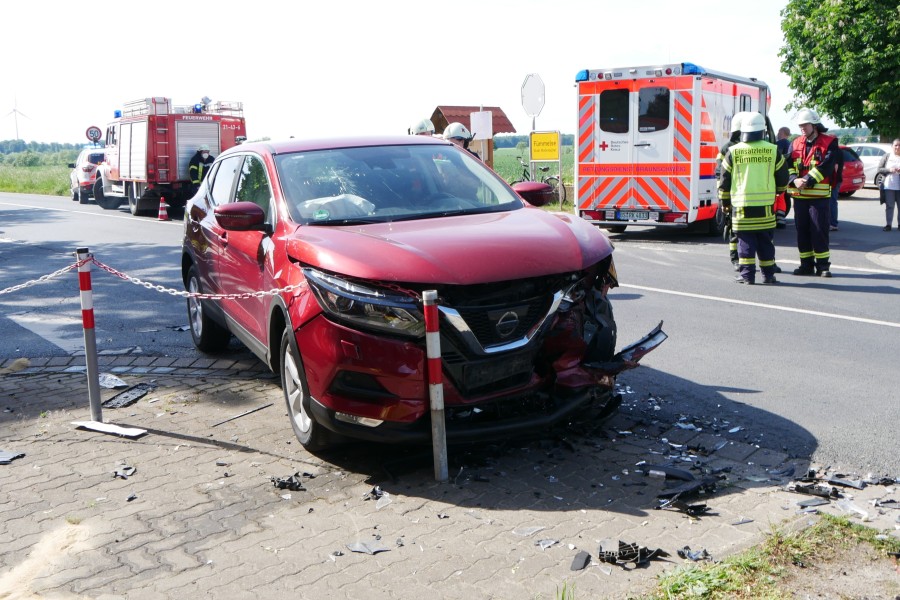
column 365, row 306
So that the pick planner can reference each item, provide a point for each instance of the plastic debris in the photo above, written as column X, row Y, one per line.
column 383, row 501
column 813, row 502
column 622, row 553
column 855, row 484
column 130, row 432
column 293, row 482
column 110, row 381
column 129, row 396
column 8, row 457
column 742, row 521
column 374, row 494
column 849, row 507
column 124, row 472
column 823, row 491
column 671, row 472
column 707, row 484
column 691, row 510
column 367, row 548
column 131, row 497
column 694, row 555
column 544, row 544
column 527, row 531
column 581, row 561
column 243, row 414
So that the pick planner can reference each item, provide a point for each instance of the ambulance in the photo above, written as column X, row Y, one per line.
column 647, row 143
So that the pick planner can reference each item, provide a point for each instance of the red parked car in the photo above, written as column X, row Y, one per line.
column 853, row 175
column 330, row 245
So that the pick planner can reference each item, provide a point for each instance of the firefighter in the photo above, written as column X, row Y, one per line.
column 753, row 172
column 735, row 137
column 459, row 135
column 199, row 165
column 812, row 171
column 423, row 127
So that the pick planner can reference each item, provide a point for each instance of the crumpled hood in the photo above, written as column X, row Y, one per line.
column 460, row 250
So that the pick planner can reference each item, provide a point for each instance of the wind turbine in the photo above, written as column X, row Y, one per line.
column 15, row 112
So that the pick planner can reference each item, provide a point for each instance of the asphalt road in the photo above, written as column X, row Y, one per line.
column 811, row 362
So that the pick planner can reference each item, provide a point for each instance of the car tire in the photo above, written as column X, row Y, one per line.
column 878, row 179
column 208, row 336
column 311, row 434
column 83, row 198
column 75, row 195
column 846, row 194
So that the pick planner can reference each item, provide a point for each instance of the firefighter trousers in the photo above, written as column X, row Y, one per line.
column 811, row 217
column 752, row 244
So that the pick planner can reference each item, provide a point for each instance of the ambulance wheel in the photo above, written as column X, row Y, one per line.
column 615, row 228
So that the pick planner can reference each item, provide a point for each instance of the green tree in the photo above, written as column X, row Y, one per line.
column 843, row 59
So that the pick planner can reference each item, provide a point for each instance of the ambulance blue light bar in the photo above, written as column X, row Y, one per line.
column 583, row 75
column 691, row 69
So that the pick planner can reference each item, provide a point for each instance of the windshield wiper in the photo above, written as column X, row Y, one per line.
column 339, row 222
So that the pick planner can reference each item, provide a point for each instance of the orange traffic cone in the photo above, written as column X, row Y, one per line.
column 163, row 209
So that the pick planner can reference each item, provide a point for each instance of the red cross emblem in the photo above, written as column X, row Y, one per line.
column 604, row 146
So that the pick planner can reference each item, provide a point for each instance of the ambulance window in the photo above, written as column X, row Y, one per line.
column 745, row 103
column 614, row 111
column 654, row 109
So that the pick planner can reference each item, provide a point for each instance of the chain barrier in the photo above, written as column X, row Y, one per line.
column 148, row 285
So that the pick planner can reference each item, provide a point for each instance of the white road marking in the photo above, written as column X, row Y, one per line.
column 57, row 330
column 107, row 214
column 762, row 305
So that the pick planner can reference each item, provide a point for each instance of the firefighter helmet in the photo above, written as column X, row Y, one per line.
column 457, row 131
column 736, row 121
column 423, row 127
column 203, row 148
column 807, row 115
column 753, row 125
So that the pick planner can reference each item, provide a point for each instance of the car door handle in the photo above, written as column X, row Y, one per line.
column 644, row 144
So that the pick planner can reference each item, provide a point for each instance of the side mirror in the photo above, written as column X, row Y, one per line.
column 535, row 192
column 240, row 216
column 71, row 165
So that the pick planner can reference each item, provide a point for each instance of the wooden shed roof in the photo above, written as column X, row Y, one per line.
column 444, row 115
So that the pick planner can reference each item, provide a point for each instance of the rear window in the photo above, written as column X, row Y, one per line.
column 849, row 155
column 95, row 158
column 654, row 109
column 614, row 111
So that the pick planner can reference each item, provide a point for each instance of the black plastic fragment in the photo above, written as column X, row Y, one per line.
column 813, row 502
column 129, row 396
column 374, row 494
column 857, row 485
column 707, row 484
column 630, row 553
column 293, row 482
column 672, row 472
column 694, row 555
column 823, row 491
column 581, row 561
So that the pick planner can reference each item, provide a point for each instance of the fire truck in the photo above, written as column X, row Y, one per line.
column 149, row 145
column 647, row 143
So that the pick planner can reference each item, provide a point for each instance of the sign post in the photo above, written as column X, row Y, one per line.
column 533, row 96
column 544, row 147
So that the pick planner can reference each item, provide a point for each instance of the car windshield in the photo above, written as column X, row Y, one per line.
column 389, row 183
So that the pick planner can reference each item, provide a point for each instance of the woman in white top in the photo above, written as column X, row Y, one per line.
column 890, row 168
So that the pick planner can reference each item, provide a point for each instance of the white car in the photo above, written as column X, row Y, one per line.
column 871, row 155
column 84, row 173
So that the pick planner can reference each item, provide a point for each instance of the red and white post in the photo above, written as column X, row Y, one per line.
column 90, row 338
column 435, row 386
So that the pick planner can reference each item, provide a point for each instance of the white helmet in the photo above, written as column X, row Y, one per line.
column 807, row 115
column 423, row 127
column 752, row 127
column 736, row 121
column 457, row 131
column 203, row 148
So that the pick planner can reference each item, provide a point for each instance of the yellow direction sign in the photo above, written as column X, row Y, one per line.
column 544, row 145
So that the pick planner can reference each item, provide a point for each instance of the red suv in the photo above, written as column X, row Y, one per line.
column 319, row 253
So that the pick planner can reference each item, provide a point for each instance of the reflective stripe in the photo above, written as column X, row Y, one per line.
column 586, row 120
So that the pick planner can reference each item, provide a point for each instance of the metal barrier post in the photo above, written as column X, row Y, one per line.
column 90, row 338
column 435, row 386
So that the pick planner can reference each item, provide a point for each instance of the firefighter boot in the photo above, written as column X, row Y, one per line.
column 768, row 274
column 823, row 269
column 747, row 275
column 806, row 268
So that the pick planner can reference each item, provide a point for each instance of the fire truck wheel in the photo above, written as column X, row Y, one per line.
column 104, row 202
column 133, row 204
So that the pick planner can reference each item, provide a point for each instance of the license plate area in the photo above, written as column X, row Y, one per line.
column 633, row 215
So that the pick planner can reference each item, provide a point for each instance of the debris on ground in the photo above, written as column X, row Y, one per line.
column 123, row 472
column 367, row 548
column 131, row 497
column 8, row 457
column 293, row 482
column 822, row 491
column 20, row 364
column 617, row 552
column 690, row 488
column 129, row 432
column 691, row 510
column 581, row 561
column 527, row 531
column 110, row 381
column 839, row 480
column 694, row 555
column 129, row 396
column 544, row 544
column 669, row 472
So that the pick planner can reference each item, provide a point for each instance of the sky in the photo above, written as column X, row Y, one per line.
column 347, row 67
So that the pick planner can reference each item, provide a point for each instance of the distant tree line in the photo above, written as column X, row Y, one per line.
column 18, row 153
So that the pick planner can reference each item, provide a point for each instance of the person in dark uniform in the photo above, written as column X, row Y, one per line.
column 198, row 166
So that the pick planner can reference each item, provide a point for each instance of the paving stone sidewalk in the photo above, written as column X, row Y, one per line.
column 200, row 515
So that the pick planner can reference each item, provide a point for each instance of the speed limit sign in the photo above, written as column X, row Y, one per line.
column 93, row 133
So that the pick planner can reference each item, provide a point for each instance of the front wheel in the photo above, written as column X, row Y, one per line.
column 208, row 336
column 102, row 200
column 311, row 434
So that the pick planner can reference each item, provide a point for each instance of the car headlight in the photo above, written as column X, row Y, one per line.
column 366, row 307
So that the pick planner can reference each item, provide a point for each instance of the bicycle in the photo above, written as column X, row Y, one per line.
column 551, row 180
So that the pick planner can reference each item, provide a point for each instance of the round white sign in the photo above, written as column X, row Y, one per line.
column 533, row 95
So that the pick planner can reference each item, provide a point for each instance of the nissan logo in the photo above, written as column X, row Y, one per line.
column 507, row 324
